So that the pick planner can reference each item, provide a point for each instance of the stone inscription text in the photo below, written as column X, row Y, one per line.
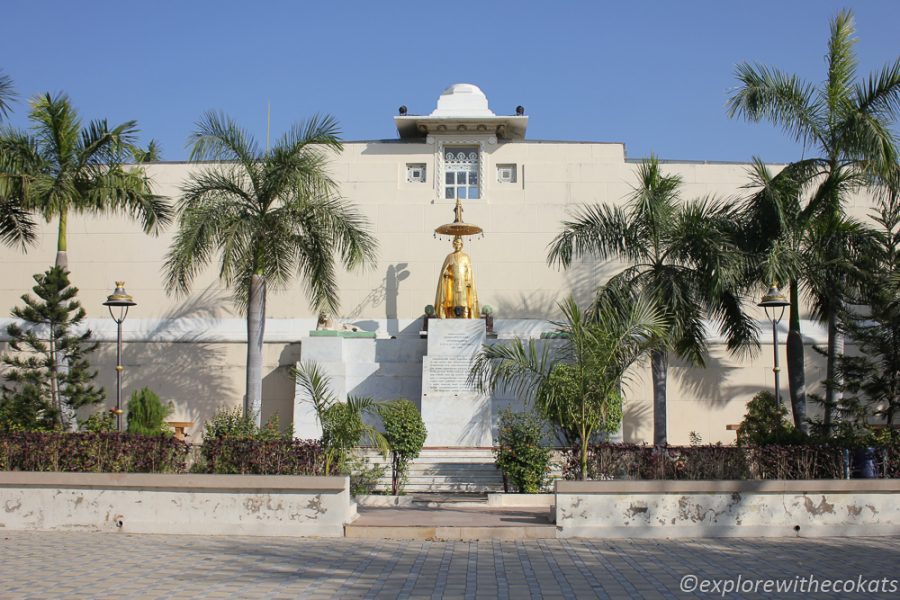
column 455, row 342
column 448, row 374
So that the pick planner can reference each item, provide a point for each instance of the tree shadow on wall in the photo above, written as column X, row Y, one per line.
column 278, row 387
column 709, row 385
column 582, row 280
column 637, row 415
column 387, row 292
column 192, row 373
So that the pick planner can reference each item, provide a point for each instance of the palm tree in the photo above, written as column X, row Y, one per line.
column 63, row 168
column 789, row 242
column 847, row 123
column 774, row 228
column 268, row 215
column 681, row 255
column 578, row 385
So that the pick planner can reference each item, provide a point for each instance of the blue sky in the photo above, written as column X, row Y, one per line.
column 654, row 75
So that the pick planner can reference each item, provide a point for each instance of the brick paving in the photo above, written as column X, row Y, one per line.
column 53, row 565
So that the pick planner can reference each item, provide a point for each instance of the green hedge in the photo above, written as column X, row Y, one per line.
column 632, row 461
column 92, row 452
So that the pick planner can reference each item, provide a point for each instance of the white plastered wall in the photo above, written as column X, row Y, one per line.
column 512, row 275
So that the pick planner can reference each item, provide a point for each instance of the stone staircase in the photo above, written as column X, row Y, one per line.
column 444, row 470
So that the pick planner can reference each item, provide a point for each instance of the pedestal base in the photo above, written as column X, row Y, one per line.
column 455, row 414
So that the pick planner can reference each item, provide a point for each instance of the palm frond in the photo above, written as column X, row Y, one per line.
column 103, row 147
column 870, row 146
column 768, row 94
column 653, row 203
column 316, row 387
column 16, row 226
column 360, row 406
column 208, row 218
column 598, row 230
column 117, row 190
column 880, row 94
column 218, row 138
column 324, row 230
column 56, row 126
column 841, row 64
column 516, row 367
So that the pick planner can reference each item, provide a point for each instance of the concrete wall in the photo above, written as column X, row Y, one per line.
column 176, row 504
column 671, row 509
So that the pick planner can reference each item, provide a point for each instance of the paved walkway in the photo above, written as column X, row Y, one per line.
column 95, row 565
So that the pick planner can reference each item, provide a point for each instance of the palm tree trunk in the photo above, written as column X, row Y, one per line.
column 659, row 363
column 256, row 324
column 796, row 363
column 66, row 414
column 832, row 383
column 62, row 259
column 583, row 457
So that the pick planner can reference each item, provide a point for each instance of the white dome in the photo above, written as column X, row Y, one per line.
column 462, row 100
column 463, row 88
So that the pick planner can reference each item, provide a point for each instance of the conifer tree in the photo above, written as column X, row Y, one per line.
column 38, row 393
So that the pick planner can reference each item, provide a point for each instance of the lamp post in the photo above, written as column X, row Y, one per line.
column 775, row 302
column 118, row 303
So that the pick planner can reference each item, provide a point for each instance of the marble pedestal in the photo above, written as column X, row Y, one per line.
column 454, row 413
column 382, row 369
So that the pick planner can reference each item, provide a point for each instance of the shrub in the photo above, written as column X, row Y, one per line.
column 364, row 477
column 405, row 433
column 233, row 443
column 101, row 421
column 632, row 461
column 254, row 456
column 519, row 453
column 343, row 428
column 147, row 414
column 91, row 452
column 233, row 423
column 766, row 423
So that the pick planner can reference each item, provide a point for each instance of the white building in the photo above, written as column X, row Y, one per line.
column 191, row 350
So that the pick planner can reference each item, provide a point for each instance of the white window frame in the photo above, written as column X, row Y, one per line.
column 442, row 147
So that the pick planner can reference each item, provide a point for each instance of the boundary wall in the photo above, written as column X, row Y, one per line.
column 264, row 505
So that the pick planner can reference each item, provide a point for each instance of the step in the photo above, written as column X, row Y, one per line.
column 459, row 500
column 450, row 533
column 452, row 523
column 444, row 470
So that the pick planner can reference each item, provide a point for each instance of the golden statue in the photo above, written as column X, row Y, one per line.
column 456, row 296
